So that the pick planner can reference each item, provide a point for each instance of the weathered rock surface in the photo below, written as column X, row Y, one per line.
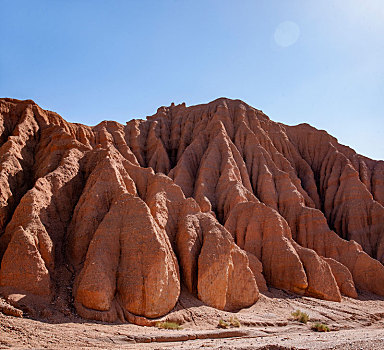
column 113, row 219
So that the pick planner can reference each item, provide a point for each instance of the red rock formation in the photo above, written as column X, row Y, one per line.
column 217, row 197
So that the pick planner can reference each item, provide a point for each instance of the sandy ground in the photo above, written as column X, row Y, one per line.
column 354, row 324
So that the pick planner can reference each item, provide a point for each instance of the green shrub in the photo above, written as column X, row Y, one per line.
column 320, row 327
column 234, row 321
column 168, row 325
column 223, row 324
column 300, row 316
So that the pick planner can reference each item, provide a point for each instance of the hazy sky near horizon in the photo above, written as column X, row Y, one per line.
column 319, row 62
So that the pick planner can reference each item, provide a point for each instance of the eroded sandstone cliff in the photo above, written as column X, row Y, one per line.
column 114, row 219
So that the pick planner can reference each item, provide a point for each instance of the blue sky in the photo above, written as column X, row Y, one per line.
column 319, row 62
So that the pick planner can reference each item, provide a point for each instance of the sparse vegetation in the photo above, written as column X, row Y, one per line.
column 223, row 324
column 232, row 322
column 168, row 325
column 320, row 327
column 300, row 316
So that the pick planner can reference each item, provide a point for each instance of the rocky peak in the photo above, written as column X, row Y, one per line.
column 115, row 219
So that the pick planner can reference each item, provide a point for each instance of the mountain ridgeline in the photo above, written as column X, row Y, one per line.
column 113, row 220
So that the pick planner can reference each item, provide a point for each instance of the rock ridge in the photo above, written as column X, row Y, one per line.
column 114, row 219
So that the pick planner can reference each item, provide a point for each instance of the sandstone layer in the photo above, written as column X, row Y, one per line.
column 114, row 219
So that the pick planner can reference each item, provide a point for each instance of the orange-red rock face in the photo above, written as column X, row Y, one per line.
column 113, row 219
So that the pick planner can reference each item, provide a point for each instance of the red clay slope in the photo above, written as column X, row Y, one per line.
column 113, row 219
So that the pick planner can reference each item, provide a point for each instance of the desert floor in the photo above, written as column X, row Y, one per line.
column 354, row 324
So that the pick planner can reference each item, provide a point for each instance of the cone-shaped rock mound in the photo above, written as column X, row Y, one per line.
column 114, row 219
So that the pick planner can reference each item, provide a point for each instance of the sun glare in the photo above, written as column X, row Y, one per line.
column 286, row 33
